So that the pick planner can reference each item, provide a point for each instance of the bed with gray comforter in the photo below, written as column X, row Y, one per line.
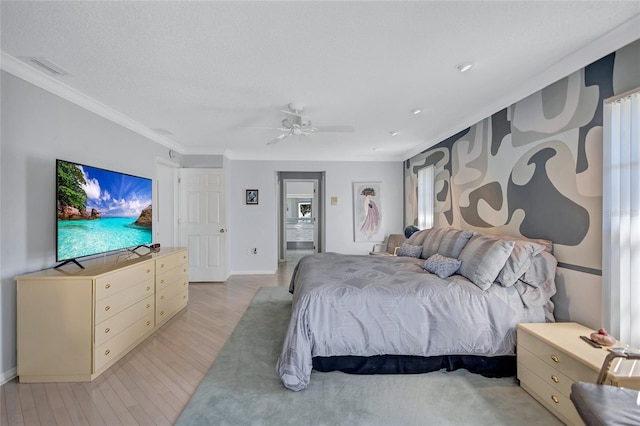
column 365, row 306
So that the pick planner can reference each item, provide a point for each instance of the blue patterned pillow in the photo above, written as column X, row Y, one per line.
column 409, row 250
column 441, row 265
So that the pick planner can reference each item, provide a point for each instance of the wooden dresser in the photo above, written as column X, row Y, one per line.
column 72, row 324
column 552, row 356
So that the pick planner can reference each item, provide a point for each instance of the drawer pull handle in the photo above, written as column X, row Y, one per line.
column 107, row 286
column 161, row 297
column 148, row 288
column 148, row 271
column 555, row 399
column 161, row 281
column 106, row 308
column 555, row 358
column 148, row 305
column 148, row 322
column 161, row 313
column 184, row 283
column 184, row 297
column 162, row 265
column 106, row 330
column 107, row 352
column 555, row 378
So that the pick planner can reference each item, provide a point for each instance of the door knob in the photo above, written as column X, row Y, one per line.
column 222, row 230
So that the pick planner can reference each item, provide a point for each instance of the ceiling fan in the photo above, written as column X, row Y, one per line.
column 294, row 124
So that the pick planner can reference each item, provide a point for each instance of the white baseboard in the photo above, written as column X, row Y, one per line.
column 8, row 375
column 254, row 272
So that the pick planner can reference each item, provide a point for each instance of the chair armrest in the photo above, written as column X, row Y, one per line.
column 379, row 249
column 623, row 353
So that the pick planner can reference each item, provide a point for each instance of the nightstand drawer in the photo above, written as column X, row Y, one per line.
column 560, row 405
column 557, row 359
column 551, row 376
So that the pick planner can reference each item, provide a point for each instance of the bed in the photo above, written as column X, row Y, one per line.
column 388, row 314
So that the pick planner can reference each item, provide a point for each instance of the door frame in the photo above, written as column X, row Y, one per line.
column 319, row 232
column 159, row 191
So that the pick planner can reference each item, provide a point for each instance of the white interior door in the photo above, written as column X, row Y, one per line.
column 202, row 222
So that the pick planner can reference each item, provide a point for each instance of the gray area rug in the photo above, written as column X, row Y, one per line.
column 242, row 387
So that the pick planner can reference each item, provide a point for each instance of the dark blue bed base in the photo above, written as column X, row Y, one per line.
column 498, row 366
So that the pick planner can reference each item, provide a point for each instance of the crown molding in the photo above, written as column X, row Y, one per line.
column 31, row 75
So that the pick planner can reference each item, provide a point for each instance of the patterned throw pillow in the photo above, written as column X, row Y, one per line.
column 409, row 250
column 441, row 265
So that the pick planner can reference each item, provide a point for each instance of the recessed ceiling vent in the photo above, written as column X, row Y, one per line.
column 45, row 65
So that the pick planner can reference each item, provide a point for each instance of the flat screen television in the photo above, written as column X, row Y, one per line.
column 99, row 211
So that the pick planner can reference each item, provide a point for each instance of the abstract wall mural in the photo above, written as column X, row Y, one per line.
column 533, row 169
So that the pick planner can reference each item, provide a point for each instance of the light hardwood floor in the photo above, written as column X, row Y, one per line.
column 152, row 384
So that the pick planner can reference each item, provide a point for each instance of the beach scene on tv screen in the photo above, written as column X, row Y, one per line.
column 100, row 211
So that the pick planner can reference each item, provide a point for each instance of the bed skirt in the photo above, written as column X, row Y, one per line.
column 498, row 366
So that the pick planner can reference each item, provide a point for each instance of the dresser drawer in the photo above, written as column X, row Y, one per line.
column 110, row 306
column 169, row 292
column 167, row 309
column 551, row 376
column 179, row 273
column 557, row 359
column 113, row 326
column 560, row 405
column 111, row 349
column 171, row 261
column 115, row 282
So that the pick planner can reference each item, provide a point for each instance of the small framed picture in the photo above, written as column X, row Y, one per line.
column 252, row 196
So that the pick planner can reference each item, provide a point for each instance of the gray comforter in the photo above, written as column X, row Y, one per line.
column 388, row 305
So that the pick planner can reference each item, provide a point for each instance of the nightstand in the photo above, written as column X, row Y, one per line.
column 551, row 357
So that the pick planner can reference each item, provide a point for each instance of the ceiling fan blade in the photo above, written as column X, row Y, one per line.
column 344, row 129
column 297, row 114
column 278, row 139
column 267, row 128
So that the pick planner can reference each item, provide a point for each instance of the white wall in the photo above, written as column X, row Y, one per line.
column 37, row 128
column 256, row 226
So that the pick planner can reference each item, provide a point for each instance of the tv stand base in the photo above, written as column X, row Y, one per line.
column 69, row 261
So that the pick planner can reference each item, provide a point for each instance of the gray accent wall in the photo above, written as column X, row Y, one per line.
column 534, row 169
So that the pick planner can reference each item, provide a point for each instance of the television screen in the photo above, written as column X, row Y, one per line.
column 100, row 211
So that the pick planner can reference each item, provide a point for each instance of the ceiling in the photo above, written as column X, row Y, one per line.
column 207, row 72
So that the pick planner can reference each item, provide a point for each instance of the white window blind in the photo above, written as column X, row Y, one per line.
column 621, row 218
column 425, row 197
